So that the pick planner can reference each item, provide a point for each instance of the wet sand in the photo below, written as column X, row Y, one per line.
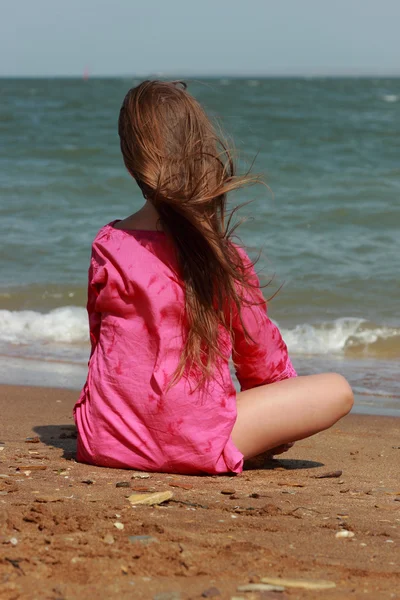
column 67, row 531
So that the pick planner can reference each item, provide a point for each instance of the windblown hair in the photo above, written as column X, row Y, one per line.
column 186, row 170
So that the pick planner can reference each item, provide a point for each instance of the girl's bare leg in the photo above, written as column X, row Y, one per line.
column 283, row 412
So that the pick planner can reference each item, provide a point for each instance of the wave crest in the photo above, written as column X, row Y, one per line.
column 390, row 98
column 349, row 336
column 67, row 324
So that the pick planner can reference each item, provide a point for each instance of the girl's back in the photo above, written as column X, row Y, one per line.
column 126, row 415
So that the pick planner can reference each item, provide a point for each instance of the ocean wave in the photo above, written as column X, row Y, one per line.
column 67, row 325
column 346, row 336
column 390, row 98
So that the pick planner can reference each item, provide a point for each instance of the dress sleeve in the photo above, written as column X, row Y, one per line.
column 261, row 358
column 95, row 277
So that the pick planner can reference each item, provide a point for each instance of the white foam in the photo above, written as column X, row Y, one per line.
column 334, row 337
column 390, row 98
column 68, row 324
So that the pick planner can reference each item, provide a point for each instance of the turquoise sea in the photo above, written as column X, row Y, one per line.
column 328, row 228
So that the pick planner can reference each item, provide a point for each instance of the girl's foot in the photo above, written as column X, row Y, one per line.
column 279, row 449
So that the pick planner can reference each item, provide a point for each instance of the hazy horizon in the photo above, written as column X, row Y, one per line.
column 261, row 38
column 141, row 76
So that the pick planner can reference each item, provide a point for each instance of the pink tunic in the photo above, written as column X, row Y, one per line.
column 124, row 417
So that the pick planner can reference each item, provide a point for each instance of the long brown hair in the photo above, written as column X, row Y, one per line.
column 186, row 170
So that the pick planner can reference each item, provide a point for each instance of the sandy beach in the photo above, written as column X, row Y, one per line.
column 68, row 530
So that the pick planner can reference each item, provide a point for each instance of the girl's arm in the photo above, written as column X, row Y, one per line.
column 264, row 358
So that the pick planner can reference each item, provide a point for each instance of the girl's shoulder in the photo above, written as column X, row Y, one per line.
column 111, row 236
column 106, row 232
column 111, row 232
column 106, row 245
column 133, row 248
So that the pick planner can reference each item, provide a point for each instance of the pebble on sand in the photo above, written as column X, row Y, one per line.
column 292, row 483
column 329, row 475
column 119, row 525
column 108, row 539
column 183, row 486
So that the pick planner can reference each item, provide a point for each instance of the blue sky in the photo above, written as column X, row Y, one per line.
column 204, row 37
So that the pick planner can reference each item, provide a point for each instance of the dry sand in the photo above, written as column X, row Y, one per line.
column 59, row 541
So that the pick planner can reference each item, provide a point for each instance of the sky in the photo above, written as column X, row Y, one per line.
column 203, row 37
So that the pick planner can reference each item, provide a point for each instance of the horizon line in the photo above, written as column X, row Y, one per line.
column 163, row 75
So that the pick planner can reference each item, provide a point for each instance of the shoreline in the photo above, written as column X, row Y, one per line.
column 70, row 376
column 68, row 531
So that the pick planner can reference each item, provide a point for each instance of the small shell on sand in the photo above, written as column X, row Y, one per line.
column 150, row 499
column 344, row 534
column 260, row 587
column 306, row 584
column 44, row 499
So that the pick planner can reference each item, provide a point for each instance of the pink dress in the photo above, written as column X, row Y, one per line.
column 124, row 417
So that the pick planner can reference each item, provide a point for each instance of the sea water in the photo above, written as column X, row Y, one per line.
column 327, row 226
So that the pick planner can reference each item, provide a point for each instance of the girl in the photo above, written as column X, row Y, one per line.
column 171, row 299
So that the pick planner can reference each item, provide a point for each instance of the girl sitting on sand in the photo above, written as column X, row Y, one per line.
column 171, row 300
